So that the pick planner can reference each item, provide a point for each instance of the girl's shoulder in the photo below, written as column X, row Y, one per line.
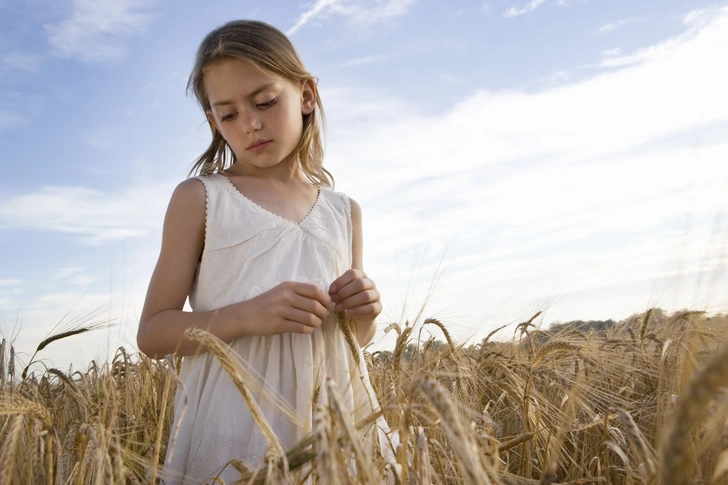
column 206, row 186
column 338, row 198
column 189, row 192
column 344, row 207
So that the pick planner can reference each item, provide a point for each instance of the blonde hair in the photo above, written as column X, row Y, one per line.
column 267, row 48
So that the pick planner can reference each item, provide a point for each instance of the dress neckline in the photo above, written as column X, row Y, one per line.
column 262, row 209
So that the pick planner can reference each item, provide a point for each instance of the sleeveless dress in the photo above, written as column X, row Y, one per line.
column 249, row 250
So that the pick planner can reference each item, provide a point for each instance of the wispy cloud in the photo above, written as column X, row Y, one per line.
column 557, row 177
column 516, row 11
column 615, row 25
column 8, row 119
column 529, row 7
column 366, row 60
column 357, row 11
column 97, row 29
column 16, row 59
column 94, row 216
column 611, row 52
column 706, row 23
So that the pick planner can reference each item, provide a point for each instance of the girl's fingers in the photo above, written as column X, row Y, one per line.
column 345, row 279
column 312, row 306
column 358, row 299
column 302, row 317
column 370, row 309
column 355, row 286
column 297, row 327
column 309, row 290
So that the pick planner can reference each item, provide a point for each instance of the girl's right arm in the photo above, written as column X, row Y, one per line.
column 289, row 307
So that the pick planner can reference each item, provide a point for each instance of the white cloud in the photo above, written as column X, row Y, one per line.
column 518, row 11
column 356, row 11
column 611, row 52
column 672, row 45
column 700, row 18
column 560, row 191
column 96, row 29
column 614, row 25
column 366, row 60
column 94, row 216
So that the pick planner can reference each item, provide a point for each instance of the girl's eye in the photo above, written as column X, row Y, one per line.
column 227, row 117
column 267, row 104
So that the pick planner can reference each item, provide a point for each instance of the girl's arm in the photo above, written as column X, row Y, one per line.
column 289, row 307
column 353, row 291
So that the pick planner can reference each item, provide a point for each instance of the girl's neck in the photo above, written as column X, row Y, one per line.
column 281, row 173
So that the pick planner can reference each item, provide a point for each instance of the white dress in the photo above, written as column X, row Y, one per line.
column 249, row 250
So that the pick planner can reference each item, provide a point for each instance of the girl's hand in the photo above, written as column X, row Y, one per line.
column 291, row 307
column 356, row 295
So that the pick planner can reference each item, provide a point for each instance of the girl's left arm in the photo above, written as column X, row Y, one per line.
column 353, row 292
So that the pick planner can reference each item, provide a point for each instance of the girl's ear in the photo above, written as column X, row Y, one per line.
column 308, row 97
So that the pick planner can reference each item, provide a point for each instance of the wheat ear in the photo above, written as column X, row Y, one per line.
column 422, row 461
column 7, row 458
column 364, row 464
column 460, row 441
column 634, row 435
column 345, row 325
column 445, row 332
column 696, row 396
column 238, row 375
column 324, row 445
column 400, row 347
column 15, row 404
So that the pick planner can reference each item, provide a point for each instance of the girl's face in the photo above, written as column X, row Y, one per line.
column 259, row 113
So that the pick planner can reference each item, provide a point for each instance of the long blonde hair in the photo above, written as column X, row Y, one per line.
column 267, row 48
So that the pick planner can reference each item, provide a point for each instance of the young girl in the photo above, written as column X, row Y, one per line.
column 266, row 253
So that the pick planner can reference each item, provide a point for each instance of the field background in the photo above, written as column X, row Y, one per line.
column 641, row 401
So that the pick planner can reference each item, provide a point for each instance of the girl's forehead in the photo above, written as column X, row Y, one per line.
column 237, row 67
column 235, row 74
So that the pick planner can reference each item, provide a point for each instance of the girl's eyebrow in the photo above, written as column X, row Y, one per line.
column 251, row 95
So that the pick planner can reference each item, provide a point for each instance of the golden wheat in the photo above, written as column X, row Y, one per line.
column 581, row 406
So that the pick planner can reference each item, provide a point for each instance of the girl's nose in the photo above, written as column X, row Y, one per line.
column 251, row 122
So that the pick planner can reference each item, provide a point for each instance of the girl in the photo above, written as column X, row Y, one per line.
column 266, row 253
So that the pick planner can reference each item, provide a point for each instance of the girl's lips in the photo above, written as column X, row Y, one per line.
column 259, row 146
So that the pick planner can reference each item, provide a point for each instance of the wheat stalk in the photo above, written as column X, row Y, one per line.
column 445, row 332
column 422, row 459
column 645, row 323
column 324, row 445
column 462, row 444
column 400, row 347
column 60, row 336
column 7, row 458
column 344, row 323
column 240, row 379
column 2, row 363
column 698, row 393
column 344, row 420
column 634, row 435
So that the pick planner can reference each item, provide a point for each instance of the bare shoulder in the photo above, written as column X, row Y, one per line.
column 187, row 209
column 190, row 192
column 355, row 211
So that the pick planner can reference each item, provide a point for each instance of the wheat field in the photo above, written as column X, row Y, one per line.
column 642, row 401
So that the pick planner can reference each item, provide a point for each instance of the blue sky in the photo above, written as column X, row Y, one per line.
column 557, row 155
